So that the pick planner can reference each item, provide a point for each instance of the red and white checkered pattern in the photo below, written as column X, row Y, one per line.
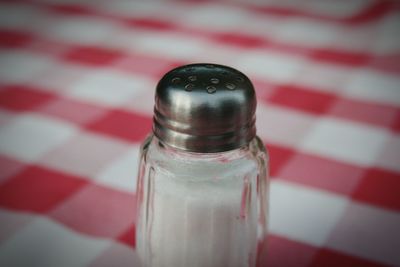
column 77, row 82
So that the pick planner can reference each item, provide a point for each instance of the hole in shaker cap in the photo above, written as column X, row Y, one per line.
column 230, row 86
column 210, row 66
column 176, row 80
column 211, row 89
column 239, row 79
column 214, row 80
column 189, row 87
column 192, row 78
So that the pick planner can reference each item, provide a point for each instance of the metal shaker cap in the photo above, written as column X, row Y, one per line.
column 205, row 108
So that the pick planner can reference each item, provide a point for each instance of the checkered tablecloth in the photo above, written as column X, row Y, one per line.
column 77, row 83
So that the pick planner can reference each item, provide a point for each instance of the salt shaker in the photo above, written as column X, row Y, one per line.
column 203, row 176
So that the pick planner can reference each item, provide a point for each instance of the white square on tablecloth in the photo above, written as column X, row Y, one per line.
column 61, row 77
column 85, row 154
column 122, row 173
column 216, row 16
column 387, row 40
column 117, row 255
column 12, row 222
column 45, row 243
column 18, row 16
column 302, row 213
column 173, row 45
column 347, row 141
column 108, row 87
column 368, row 232
column 333, row 8
column 80, row 30
column 328, row 8
column 6, row 117
column 324, row 77
column 276, row 67
column 390, row 155
column 282, row 126
column 19, row 66
column 374, row 86
column 305, row 32
column 137, row 9
column 30, row 136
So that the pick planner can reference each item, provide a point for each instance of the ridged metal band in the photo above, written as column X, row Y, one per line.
column 205, row 108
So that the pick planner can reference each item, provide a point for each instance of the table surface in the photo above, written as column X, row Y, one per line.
column 76, row 97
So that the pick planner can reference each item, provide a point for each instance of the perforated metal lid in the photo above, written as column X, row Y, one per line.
column 205, row 108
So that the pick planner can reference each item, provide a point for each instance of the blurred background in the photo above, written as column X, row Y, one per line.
column 77, row 83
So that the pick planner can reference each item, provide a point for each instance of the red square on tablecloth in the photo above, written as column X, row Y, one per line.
column 38, row 189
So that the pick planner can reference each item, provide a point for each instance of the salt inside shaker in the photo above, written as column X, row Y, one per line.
column 203, row 175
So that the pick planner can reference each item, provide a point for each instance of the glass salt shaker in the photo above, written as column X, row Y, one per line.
column 203, row 175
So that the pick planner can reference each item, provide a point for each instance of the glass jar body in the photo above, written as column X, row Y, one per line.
column 201, row 209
